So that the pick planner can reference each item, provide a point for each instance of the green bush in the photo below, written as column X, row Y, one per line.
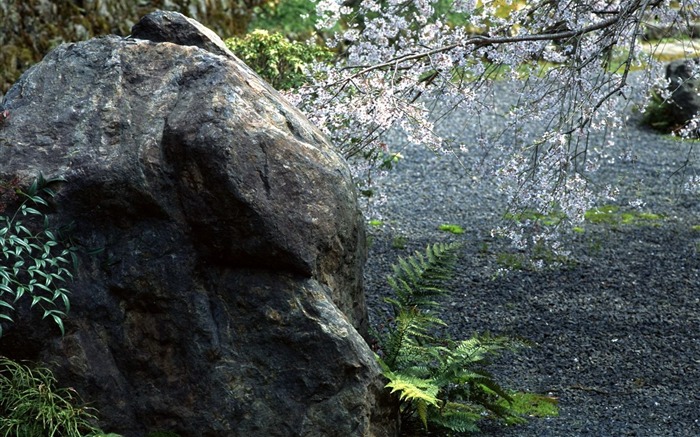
column 283, row 63
column 439, row 381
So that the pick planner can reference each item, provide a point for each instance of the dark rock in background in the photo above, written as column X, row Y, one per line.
column 684, row 85
column 226, row 297
column 679, row 31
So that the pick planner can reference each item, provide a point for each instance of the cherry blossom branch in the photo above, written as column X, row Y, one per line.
column 481, row 41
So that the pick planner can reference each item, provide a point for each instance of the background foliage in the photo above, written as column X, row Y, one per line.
column 31, row 28
column 281, row 62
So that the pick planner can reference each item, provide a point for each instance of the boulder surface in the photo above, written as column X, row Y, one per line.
column 219, row 287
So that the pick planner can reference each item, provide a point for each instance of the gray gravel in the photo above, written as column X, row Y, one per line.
column 616, row 330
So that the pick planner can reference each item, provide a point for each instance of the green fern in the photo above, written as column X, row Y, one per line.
column 419, row 393
column 417, row 284
column 458, row 417
column 439, row 381
column 404, row 344
column 417, row 280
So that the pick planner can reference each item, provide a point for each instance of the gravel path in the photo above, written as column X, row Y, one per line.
column 616, row 330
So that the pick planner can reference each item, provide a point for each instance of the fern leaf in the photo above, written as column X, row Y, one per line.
column 422, row 411
column 417, row 279
column 410, row 330
column 458, row 417
column 490, row 386
column 411, row 389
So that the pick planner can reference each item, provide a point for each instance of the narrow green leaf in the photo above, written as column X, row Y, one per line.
column 59, row 323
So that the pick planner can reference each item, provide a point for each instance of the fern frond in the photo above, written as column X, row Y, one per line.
column 492, row 390
column 457, row 417
column 411, row 331
column 419, row 393
column 414, row 389
column 417, row 279
column 480, row 349
column 422, row 412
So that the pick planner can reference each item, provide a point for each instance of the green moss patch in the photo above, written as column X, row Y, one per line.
column 613, row 215
column 453, row 229
column 532, row 405
column 602, row 215
column 550, row 219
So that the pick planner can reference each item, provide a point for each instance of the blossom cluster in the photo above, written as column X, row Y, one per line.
column 570, row 63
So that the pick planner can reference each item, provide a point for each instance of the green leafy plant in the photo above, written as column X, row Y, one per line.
column 658, row 113
column 439, row 381
column 283, row 63
column 32, row 406
column 34, row 261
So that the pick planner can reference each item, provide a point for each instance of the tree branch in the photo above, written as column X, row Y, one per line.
column 481, row 41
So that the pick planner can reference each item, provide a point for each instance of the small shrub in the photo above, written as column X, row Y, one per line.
column 283, row 63
column 613, row 215
column 399, row 242
column 32, row 406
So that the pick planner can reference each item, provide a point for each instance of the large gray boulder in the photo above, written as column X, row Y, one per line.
column 225, row 298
